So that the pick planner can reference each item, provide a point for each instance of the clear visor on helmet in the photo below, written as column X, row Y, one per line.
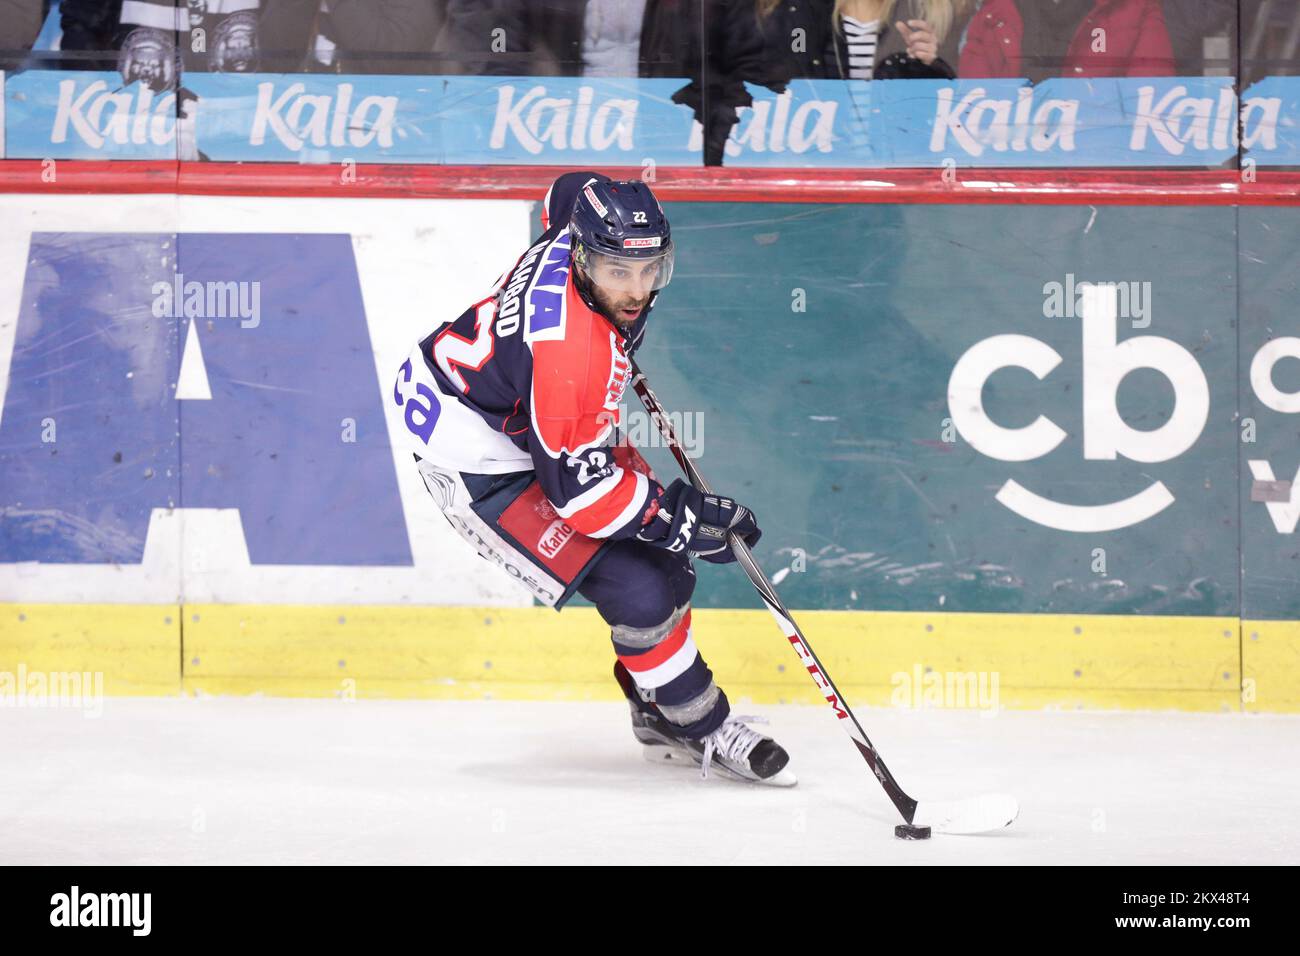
column 624, row 275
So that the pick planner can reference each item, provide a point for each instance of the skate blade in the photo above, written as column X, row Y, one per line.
column 661, row 753
column 671, row 756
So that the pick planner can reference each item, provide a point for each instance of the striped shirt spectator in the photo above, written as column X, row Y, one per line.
column 861, row 40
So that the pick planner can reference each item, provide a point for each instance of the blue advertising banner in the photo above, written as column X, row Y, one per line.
column 457, row 119
column 1166, row 121
column 365, row 119
column 64, row 114
column 1129, row 122
column 1271, row 117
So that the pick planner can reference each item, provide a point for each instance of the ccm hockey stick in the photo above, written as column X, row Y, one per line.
column 972, row 815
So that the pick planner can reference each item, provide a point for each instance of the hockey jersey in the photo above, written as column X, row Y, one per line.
column 531, row 377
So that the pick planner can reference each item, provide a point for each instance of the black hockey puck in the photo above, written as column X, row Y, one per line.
column 905, row 831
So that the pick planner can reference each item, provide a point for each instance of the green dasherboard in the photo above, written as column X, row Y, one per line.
column 1270, row 310
column 814, row 345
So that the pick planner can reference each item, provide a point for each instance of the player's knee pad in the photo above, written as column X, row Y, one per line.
column 669, row 672
column 642, row 602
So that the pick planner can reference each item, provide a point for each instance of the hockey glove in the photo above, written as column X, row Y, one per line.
column 690, row 520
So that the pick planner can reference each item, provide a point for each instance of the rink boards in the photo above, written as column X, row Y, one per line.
column 247, row 521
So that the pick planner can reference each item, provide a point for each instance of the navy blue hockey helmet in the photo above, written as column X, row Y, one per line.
column 619, row 228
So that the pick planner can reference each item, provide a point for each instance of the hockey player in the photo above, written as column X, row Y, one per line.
column 513, row 410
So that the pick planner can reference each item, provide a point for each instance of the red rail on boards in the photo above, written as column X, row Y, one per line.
column 682, row 184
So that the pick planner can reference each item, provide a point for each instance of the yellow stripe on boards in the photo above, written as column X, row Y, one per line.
column 1270, row 655
column 876, row 658
column 135, row 647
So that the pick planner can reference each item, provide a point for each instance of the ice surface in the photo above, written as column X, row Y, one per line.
column 250, row 780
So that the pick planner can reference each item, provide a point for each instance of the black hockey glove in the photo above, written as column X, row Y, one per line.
column 690, row 520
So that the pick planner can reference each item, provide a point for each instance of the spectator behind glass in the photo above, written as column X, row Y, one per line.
column 20, row 23
column 89, row 26
column 649, row 38
column 861, row 39
column 1204, row 36
column 1040, row 39
column 156, row 41
column 351, row 36
column 1270, row 40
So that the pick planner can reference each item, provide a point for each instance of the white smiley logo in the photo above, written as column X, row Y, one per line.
column 1106, row 435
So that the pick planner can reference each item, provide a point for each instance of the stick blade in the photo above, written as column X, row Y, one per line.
column 990, row 811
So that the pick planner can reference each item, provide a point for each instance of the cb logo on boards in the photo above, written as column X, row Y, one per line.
column 1106, row 435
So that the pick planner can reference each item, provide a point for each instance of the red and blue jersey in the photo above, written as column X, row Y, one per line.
column 532, row 377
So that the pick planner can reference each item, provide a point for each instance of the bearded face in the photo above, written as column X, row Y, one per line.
column 622, row 287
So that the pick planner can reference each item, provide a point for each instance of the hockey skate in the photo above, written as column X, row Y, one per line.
column 734, row 749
